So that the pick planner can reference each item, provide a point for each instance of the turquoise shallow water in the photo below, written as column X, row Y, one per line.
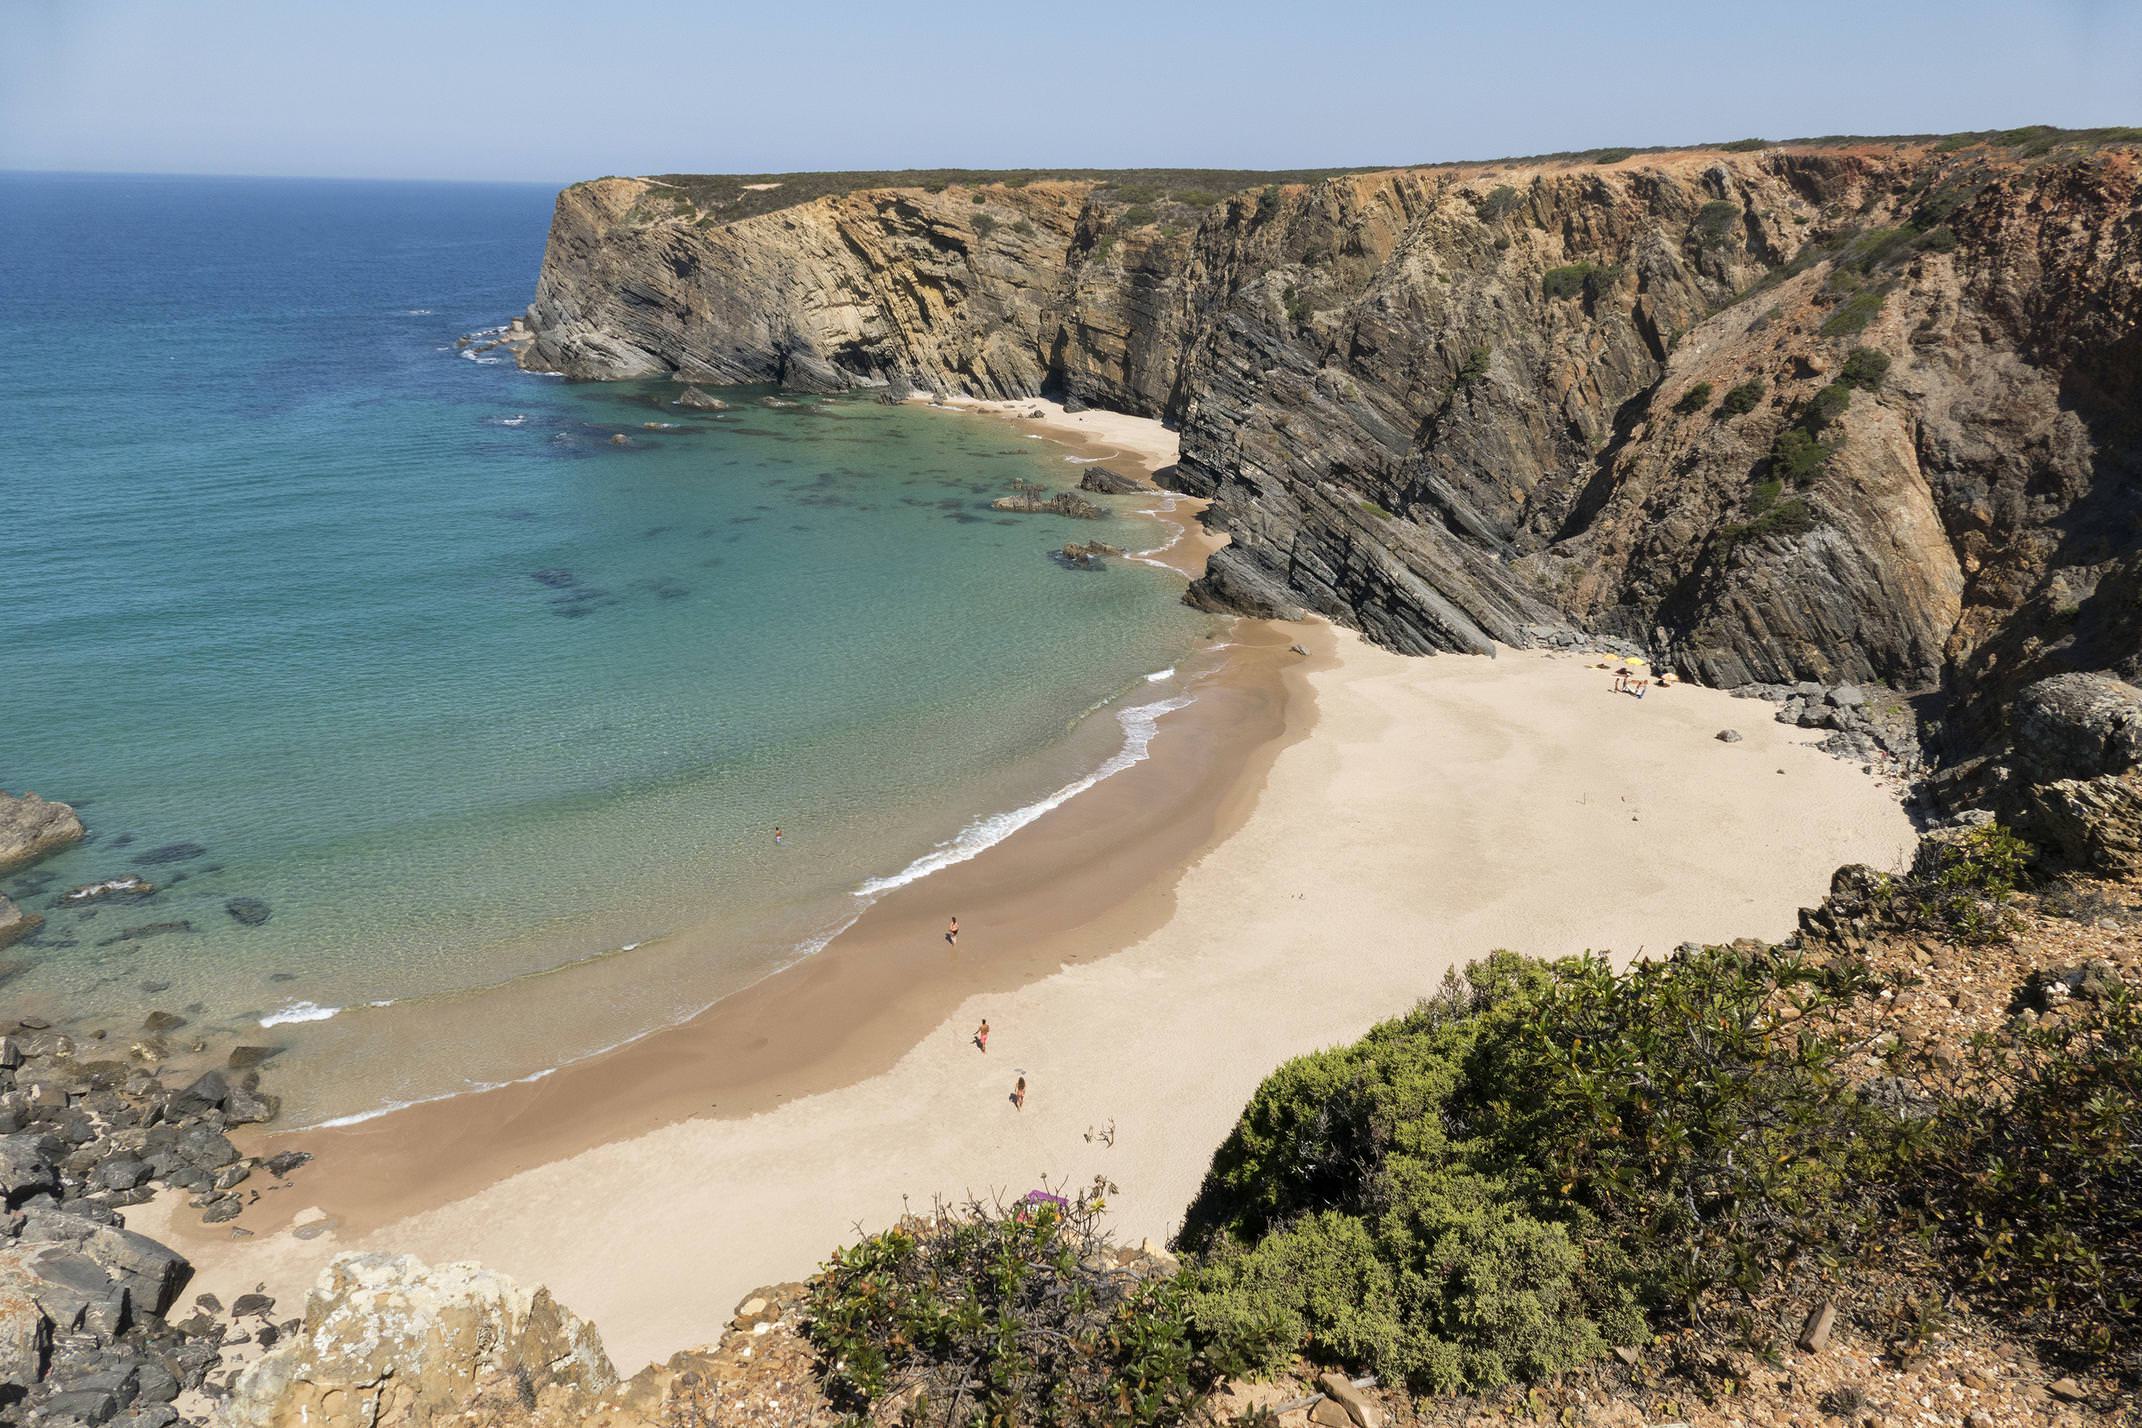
column 304, row 605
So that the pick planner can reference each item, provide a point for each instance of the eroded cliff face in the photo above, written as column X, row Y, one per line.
column 1460, row 406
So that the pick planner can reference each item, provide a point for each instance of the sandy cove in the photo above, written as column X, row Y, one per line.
column 1442, row 808
column 1311, row 845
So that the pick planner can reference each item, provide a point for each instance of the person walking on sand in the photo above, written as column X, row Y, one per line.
column 1019, row 1095
column 981, row 1038
column 952, row 933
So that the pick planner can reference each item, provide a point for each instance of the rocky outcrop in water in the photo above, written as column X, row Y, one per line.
column 1840, row 413
column 32, row 827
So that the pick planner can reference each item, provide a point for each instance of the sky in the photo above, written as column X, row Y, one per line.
column 547, row 91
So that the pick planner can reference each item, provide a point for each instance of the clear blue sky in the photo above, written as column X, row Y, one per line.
column 537, row 89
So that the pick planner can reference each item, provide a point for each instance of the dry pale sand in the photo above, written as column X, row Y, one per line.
column 1139, row 440
column 1441, row 808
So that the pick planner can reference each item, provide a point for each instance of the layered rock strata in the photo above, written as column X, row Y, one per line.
column 1839, row 413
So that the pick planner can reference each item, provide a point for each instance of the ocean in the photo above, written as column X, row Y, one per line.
column 409, row 678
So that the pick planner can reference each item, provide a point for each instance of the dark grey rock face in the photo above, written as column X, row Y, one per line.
column 84, row 1336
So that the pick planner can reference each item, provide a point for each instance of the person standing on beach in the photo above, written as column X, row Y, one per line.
column 777, row 835
column 952, row 933
column 1019, row 1095
column 981, row 1038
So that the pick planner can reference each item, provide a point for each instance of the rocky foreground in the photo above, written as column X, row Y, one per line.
column 94, row 1327
column 1841, row 412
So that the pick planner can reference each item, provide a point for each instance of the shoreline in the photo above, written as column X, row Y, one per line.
column 1312, row 843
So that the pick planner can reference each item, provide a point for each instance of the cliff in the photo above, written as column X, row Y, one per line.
column 1838, row 411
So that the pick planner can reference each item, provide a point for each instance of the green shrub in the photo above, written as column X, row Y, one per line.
column 1607, row 156
column 1715, row 222
column 1515, row 1175
column 1138, row 215
column 1865, row 369
column 1501, row 201
column 1566, row 281
column 1104, row 247
column 2034, row 1181
column 1743, row 146
column 1789, row 517
column 986, row 1316
column 1023, row 228
column 1854, row 313
column 1473, row 368
column 1268, row 201
column 977, row 200
column 1741, row 400
column 1798, row 456
column 1965, row 892
column 984, row 225
column 1827, row 405
column 1695, row 399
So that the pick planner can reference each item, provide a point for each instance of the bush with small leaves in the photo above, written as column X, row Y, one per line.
column 1535, row 1162
column 991, row 1315
column 1865, row 369
column 1741, row 399
column 2034, row 1181
column 1501, row 201
column 1715, row 222
column 1854, row 313
column 1827, row 405
column 1695, row 399
column 1798, row 456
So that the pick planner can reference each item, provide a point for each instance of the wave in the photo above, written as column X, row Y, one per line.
column 1140, row 723
column 1159, row 674
column 418, row 312
column 1085, row 460
column 300, row 1011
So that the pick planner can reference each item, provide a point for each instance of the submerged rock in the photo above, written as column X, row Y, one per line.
column 698, row 400
column 16, row 924
column 171, row 853
column 250, row 911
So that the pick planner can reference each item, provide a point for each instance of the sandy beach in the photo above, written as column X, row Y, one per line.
column 1358, row 823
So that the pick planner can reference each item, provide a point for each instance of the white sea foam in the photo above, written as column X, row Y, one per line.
column 1140, row 722
column 300, row 1011
column 1159, row 674
column 519, row 420
column 417, row 312
column 1084, row 460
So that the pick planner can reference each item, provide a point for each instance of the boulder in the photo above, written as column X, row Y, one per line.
column 2077, row 726
column 152, row 1274
column 1728, row 736
column 25, row 1169
column 2077, row 765
column 387, row 1339
column 31, row 827
column 207, row 1093
column 1110, row 483
column 25, row 1332
column 15, row 924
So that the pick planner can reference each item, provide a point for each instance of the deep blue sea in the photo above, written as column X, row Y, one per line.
column 477, row 679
